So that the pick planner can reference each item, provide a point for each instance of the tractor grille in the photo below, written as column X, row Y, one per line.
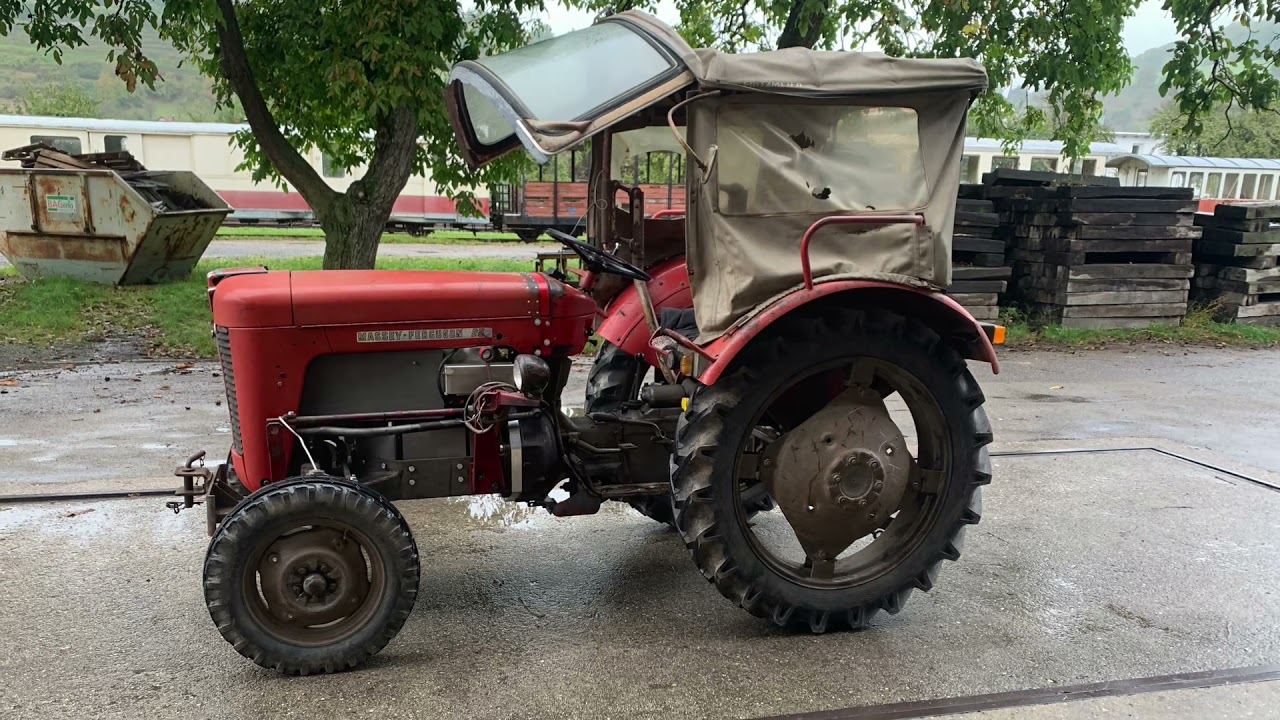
column 223, row 340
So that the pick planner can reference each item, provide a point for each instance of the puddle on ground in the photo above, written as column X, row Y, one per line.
column 15, row 442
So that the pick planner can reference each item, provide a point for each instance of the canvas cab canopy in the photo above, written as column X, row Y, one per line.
column 777, row 140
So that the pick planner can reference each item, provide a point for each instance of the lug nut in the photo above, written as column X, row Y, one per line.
column 275, row 558
column 888, row 450
column 862, row 502
column 411, row 469
column 879, row 486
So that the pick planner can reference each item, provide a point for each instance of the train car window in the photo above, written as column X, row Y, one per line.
column 1231, row 187
column 1264, row 188
column 969, row 168
column 1196, row 182
column 330, row 168
column 1214, row 185
column 1178, row 180
column 1248, row 186
column 115, row 143
column 61, row 143
column 1004, row 161
column 1084, row 167
column 1044, row 164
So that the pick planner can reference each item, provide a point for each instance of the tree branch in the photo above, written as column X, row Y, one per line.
column 234, row 62
column 792, row 33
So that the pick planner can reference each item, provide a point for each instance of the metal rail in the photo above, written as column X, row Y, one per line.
column 846, row 220
column 1046, row 695
column 127, row 494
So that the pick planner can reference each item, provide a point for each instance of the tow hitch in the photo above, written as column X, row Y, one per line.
column 199, row 483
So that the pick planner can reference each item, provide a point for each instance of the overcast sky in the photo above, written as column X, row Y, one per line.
column 1149, row 27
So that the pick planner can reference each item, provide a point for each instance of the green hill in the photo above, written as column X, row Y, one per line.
column 183, row 95
column 1133, row 107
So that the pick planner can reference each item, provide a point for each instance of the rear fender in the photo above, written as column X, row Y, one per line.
column 940, row 313
column 624, row 323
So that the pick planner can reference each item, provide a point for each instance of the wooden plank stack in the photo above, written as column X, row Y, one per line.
column 1238, row 263
column 979, row 270
column 1097, row 255
column 39, row 155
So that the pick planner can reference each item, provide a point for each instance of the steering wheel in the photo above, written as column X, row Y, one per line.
column 597, row 260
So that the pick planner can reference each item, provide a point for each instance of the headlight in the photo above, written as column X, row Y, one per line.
column 531, row 374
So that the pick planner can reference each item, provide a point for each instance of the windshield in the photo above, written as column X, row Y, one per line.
column 558, row 91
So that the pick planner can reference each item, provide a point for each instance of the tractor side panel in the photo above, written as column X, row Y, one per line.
column 383, row 382
column 624, row 323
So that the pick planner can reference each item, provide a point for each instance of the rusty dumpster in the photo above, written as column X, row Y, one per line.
column 104, row 226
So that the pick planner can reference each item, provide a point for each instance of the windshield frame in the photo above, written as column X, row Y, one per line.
column 545, row 137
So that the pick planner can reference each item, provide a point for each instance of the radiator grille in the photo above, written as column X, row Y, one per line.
column 223, row 340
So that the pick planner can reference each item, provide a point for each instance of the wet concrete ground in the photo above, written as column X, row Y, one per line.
column 1085, row 568
column 79, row 430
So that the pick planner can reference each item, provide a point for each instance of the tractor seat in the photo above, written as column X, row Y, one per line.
column 682, row 321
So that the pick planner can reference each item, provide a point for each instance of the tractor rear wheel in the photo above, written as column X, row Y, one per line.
column 868, row 507
column 311, row 575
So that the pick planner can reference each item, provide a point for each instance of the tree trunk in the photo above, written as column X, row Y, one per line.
column 353, row 221
column 804, row 23
column 352, row 231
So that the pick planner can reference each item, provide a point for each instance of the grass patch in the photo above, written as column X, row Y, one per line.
column 174, row 318
column 438, row 237
column 1198, row 328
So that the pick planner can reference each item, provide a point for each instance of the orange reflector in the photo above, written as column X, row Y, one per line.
column 686, row 365
column 998, row 336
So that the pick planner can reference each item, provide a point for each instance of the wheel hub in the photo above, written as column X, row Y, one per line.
column 313, row 577
column 840, row 474
column 315, row 586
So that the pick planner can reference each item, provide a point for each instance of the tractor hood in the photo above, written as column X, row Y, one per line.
column 365, row 297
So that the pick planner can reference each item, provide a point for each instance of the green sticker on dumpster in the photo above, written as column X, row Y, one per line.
column 60, row 204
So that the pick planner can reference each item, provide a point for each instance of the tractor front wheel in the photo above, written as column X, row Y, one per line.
column 311, row 575
column 868, row 506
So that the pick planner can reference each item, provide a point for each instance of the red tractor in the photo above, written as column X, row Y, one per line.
column 780, row 381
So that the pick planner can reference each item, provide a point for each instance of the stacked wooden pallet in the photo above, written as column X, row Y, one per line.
column 979, row 271
column 1098, row 256
column 1238, row 263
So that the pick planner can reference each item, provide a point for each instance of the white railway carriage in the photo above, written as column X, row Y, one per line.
column 1214, row 180
column 982, row 155
column 207, row 150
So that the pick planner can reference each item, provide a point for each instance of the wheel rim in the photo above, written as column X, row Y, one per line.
column 874, row 556
column 317, row 583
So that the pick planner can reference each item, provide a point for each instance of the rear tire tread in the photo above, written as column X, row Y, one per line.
column 698, row 436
